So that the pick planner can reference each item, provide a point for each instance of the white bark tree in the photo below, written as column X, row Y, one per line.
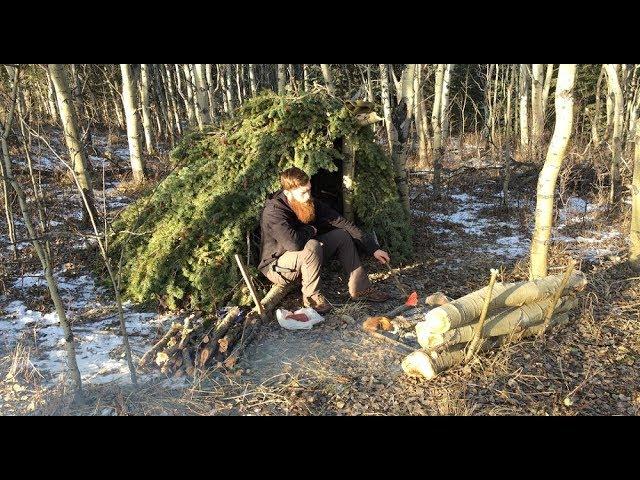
column 549, row 174
column 444, row 107
column 202, row 95
column 146, row 108
column 545, row 92
column 252, row 80
column 537, row 115
column 436, row 125
column 130, row 103
column 53, row 109
column 282, row 78
column 69, row 119
column 634, row 256
column 618, row 118
column 524, row 112
column 328, row 78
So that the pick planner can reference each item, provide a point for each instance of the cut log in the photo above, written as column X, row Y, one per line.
column 175, row 328
column 477, row 331
column 226, row 342
column 422, row 364
column 219, row 331
column 467, row 309
column 437, row 299
column 502, row 323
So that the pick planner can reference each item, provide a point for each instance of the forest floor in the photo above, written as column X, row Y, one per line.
column 589, row 367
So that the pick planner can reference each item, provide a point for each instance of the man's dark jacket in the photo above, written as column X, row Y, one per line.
column 283, row 232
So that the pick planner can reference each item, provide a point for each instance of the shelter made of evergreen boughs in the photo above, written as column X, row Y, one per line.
column 176, row 243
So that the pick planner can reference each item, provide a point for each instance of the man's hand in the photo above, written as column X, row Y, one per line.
column 382, row 256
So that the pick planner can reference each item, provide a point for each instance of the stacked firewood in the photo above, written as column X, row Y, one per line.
column 523, row 309
column 200, row 341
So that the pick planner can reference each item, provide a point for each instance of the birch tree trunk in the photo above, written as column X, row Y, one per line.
column 211, row 92
column 167, row 77
column 307, row 78
column 386, row 105
column 239, row 83
column 509, row 136
column 618, row 112
column 595, row 134
column 202, row 95
column 545, row 91
column 188, row 97
column 418, row 111
column 146, row 111
column 52, row 99
column 69, row 119
column 252, row 80
column 228, row 89
column 282, row 78
column 444, row 107
column 537, row 115
column 524, row 112
column 634, row 256
column 436, row 118
column 130, row 103
column 550, row 170
column 328, row 78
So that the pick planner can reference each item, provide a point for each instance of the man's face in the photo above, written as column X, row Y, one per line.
column 301, row 194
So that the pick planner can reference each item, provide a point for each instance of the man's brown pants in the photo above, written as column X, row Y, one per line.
column 306, row 263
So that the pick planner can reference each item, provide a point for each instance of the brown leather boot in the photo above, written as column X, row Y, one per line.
column 318, row 303
column 372, row 295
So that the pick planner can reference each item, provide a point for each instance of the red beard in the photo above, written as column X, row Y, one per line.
column 306, row 212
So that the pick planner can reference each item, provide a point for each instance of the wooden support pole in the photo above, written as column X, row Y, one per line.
column 247, row 279
column 477, row 334
column 557, row 295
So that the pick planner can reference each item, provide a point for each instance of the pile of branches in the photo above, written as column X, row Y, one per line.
column 525, row 308
column 199, row 341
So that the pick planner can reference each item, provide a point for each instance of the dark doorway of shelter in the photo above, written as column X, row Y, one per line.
column 327, row 186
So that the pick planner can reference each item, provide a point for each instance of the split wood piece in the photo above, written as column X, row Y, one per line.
column 187, row 330
column 175, row 328
column 558, row 294
column 477, row 332
column 230, row 338
column 428, row 366
column 437, row 299
column 467, row 309
column 218, row 332
column 377, row 323
column 250, row 286
column 502, row 323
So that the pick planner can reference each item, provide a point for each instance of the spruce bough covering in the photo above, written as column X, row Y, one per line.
column 177, row 242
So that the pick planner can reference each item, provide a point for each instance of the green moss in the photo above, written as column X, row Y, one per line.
column 177, row 242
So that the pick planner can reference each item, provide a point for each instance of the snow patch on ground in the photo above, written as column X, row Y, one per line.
column 474, row 216
column 98, row 343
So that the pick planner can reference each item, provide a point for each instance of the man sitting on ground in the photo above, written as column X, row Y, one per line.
column 300, row 234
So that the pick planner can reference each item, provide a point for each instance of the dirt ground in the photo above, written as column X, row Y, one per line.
column 588, row 367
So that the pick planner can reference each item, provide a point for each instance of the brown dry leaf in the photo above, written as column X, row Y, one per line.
column 377, row 323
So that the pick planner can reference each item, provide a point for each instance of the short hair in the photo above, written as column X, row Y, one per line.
column 293, row 178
